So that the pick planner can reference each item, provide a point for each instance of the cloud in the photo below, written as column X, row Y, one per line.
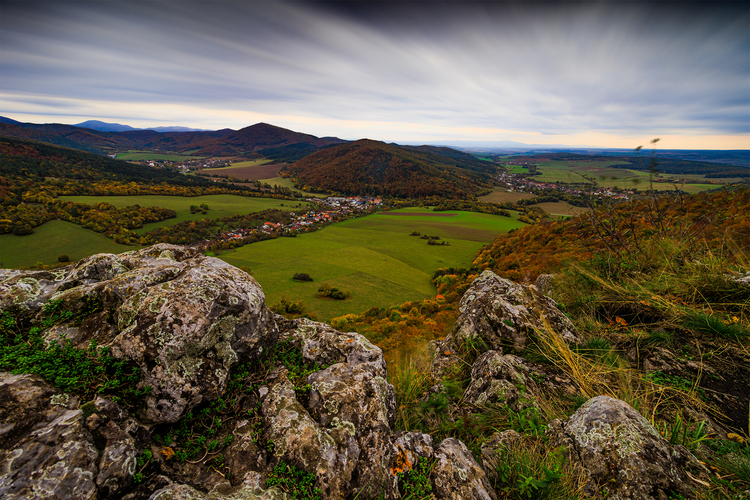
column 552, row 68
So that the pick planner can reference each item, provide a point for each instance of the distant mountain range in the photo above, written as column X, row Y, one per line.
column 117, row 127
column 244, row 142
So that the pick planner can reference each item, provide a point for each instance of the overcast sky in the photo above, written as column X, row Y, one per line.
column 602, row 74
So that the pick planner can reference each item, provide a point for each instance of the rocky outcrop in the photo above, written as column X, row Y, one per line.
column 498, row 314
column 183, row 318
column 311, row 400
column 186, row 321
column 620, row 453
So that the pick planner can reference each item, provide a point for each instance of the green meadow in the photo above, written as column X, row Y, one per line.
column 373, row 257
column 289, row 184
column 150, row 155
column 220, row 205
column 574, row 172
column 51, row 240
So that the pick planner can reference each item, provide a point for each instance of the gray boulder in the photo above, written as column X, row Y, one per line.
column 497, row 314
column 457, row 476
column 49, row 454
column 498, row 379
column 620, row 453
column 184, row 319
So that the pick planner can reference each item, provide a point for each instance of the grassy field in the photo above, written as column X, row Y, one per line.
column 373, row 257
column 573, row 172
column 150, row 155
column 288, row 183
column 51, row 240
column 220, row 205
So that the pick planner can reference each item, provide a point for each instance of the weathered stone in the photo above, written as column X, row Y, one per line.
column 23, row 401
column 118, row 461
column 295, row 436
column 356, row 408
column 53, row 456
column 494, row 448
column 544, row 282
column 498, row 379
column 621, row 454
column 326, row 346
column 183, row 318
column 496, row 312
column 457, row 476
column 243, row 492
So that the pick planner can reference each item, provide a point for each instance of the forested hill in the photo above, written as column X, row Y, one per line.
column 226, row 142
column 29, row 159
column 367, row 167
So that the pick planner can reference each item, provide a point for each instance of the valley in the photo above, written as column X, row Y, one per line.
column 507, row 297
column 374, row 257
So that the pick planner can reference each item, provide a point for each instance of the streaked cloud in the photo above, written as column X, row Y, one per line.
column 420, row 72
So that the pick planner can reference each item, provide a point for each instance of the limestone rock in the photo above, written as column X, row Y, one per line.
column 496, row 313
column 498, row 379
column 243, row 492
column 457, row 476
column 620, row 452
column 55, row 457
column 184, row 319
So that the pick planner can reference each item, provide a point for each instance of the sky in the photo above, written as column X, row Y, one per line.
column 596, row 74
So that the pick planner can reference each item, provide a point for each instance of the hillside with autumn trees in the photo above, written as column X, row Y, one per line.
column 225, row 142
column 653, row 242
column 34, row 174
column 367, row 167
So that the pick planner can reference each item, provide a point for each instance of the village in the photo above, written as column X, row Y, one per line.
column 328, row 211
column 522, row 184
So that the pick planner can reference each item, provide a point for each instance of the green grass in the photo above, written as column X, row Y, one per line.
column 51, row 240
column 288, row 183
column 571, row 172
column 220, row 205
column 150, row 155
column 372, row 257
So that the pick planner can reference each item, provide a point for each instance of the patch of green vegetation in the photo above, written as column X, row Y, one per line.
column 527, row 474
column 86, row 371
column 222, row 205
column 712, row 325
column 326, row 290
column 296, row 483
column 143, row 460
column 414, row 484
column 372, row 256
column 680, row 383
column 52, row 239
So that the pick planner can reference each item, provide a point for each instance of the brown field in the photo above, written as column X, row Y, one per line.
column 560, row 208
column 250, row 172
column 504, row 197
column 407, row 214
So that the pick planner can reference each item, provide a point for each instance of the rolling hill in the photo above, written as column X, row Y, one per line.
column 225, row 142
column 367, row 167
